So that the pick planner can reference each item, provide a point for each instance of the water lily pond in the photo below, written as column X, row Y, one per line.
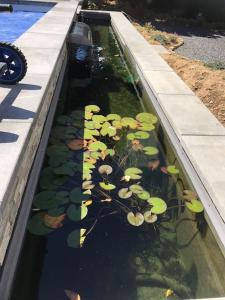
column 112, row 218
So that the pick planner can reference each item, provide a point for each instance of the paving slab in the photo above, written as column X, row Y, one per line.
column 152, row 62
column 20, row 103
column 41, row 40
column 207, row 155
column 160, row 49
column 188, row 116
column 163, row 82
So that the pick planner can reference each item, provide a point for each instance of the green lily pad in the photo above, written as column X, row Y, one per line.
column 47, row 179
column 107, row 187
column 57, row 150
column 62, row 197
column 139, row 135
column 77, row 196
column 146, row 118
column 159, row 206
column 86, row 176
column 195, row 206
column 146, row 127
column 117, row 124
column 151, row 150
column 88, row 115
column 75, row 213
column 124, row 193
column 77, row 115
column 134, row 173
column 37, row 227
column 172, row 170
column 99, row 118
column 92, row 108
column 108, row 129
column 68, row 168
column 136, row 188
column 129, row 122
column 55, row 212
column 64, row 120
column 92, row 125
column 135, row 219
column 110, row 152
column 149, row 217
column 97, row 146
column 131, row 136
column 74, row 238
column 113, row 117
column 144, row 195
column 46, row 200
column 95, row 154
column 89, row 134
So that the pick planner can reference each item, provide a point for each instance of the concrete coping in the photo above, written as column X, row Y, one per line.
column 24, row 108
column 199, row 136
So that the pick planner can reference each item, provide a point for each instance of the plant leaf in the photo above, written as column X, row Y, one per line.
column 74, row 239
column 46, row 200
column 159, row 206
column 76, row 196
column 129, row 122
column 195, row 206
column 144, row 195
column 146, row 118
column 135, row 219
column 89, row 134
column 108, row 129
column 99, row 118
column 92, row 108
column 172, row 170
column 133, row 173
column 37, row 227
column 113, row 117
column 105, row 169
column 149, row 217
column 124, row 193
column 53, row 222
column 97, row 146
column 150, row 150
column 75, row 213
column 107, row 187
column 136, row 188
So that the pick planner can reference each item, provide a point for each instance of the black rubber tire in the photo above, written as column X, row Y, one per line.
column 23, row 63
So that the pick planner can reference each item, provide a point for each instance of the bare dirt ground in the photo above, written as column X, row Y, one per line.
column 207, row 83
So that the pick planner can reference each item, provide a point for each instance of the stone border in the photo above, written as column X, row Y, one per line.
column 196, row 135
column 24, row 108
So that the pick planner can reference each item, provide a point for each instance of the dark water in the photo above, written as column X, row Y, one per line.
column 118, row 261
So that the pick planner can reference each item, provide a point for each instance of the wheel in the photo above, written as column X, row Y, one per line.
column 16, row 64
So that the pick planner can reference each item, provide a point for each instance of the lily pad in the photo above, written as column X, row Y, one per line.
column 113, row 117
column 110, row 152
column 129, row 122
column 74, row 241
column 105, row 169
column 99, row 118
column 92, row 108
column 117, row 124
column 108, row 129
column 144, row 195
column 172, row 170
column 151, row 150
column 107, row 186
column 68, row 168
column 159, row 206
column 77, row 196
column 149, row 217
column 146, row 127
column 92, row 125
column 134, row 173
column 36, row 225
column 97, row 146
column 64, row 120
column 75, row 213
column 124, row 193
column 195, row 206
column 135, row 219
column 90, row 134
column 56, row 211
column 136, row 188
column 147, row 118
column 77, row 115
column 87, row 185
column 46, row 200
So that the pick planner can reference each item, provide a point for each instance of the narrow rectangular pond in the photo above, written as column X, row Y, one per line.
column 113, row 217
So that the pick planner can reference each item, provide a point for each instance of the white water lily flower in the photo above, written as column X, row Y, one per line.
column 124, row 193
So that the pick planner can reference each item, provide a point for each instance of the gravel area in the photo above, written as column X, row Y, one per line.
column 199, row 43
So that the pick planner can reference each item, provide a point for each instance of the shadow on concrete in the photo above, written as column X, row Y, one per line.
column 8, row 137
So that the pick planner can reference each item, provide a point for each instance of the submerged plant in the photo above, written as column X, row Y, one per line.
column 97, row 167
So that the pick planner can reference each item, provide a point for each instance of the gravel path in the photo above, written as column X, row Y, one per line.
column 199, row 43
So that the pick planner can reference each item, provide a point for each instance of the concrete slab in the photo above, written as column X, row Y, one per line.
column 40, row 60
column 207, row 155
column 160, row 49
column 188, row 116
column 20, row 103
column 163, row 82
column 152, row 62
column 40, row 40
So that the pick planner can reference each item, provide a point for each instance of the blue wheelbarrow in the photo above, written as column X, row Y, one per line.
column 13, row 64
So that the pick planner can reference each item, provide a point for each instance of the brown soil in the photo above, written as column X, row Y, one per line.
column 207, row 84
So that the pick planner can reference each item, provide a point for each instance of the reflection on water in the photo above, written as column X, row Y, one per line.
column 168, row 251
